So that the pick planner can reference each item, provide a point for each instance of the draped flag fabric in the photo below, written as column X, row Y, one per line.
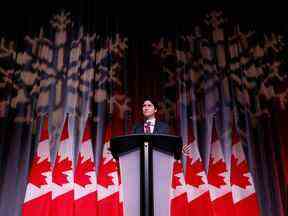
column 62, row 176
column 178, row 196
column 243, row 191
column 108, row 181
column 85, row 184
column 38, row 192
column 199, row 202
column 218, row 179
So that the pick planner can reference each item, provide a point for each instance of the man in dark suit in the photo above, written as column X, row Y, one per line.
column 150, row 124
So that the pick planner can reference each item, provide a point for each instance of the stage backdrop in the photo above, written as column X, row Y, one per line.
column 67, row 91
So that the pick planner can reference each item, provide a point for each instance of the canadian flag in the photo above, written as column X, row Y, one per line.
column 85, row 184
column 62, row 176
column 108, row 184
column 243, row 191
column 199, row 202
column 178, row 194
column 38, row 193
column 218, row 179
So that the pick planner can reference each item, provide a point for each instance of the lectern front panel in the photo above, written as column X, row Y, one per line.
column 146, row 176
column 130, row 177
column 162, row 179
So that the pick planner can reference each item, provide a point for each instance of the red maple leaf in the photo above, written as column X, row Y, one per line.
column 37, row 169
column 177, row 168
column 82, row 168
column 61, row 166
column 105, row 169
column 238, row 171
column 192, row 177
column 214, row 170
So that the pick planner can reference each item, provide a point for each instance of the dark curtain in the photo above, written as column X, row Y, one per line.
column 142, row 72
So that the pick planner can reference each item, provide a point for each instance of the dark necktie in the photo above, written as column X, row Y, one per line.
column 147, row 127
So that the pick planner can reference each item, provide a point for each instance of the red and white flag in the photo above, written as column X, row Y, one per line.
column 62, row 176
column 218, row 179
column 38, row 193
column 243, row 191
column 108, row 184
column 199, row 203
column 178, row 194
column 85, row 185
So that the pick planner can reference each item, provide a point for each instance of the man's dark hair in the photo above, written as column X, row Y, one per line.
column 153, row 101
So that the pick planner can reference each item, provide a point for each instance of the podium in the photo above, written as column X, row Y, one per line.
column 146, row 163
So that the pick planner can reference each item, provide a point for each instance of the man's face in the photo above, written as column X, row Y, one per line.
column 148, row 109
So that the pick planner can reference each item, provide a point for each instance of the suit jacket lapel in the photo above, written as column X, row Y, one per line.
column 156, row 126
column 142, row 128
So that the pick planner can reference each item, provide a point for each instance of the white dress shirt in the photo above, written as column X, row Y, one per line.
column 151, row 123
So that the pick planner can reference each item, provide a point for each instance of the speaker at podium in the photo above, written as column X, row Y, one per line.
column 146, row 163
